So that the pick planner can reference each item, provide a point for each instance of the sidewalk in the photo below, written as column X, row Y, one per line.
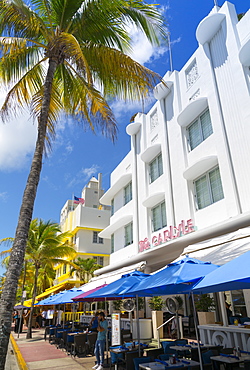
column 36, row 353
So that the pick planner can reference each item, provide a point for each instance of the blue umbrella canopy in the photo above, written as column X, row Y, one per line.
column 176, row 278
column 231, row 276
column 119, row 287
column 66, row 296
column 48, row 301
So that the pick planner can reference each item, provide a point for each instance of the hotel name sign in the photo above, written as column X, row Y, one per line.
column 165, row 235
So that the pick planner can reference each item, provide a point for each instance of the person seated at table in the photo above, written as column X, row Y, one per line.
column 94, row 322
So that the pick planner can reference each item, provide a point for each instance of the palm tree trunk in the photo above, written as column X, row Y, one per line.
column 29, row 332
column 8, row 296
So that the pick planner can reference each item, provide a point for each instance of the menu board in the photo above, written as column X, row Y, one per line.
column 116, row 329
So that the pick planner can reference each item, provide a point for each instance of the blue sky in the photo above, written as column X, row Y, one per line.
column 79, row 154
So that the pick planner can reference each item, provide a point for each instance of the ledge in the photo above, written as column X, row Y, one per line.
column 192, row 111
column 208, row 27
column 122, row 221
column 200, row 167
column 133, row 128
column 150, row 153
column 161, row 90
column 153, row 199
column 118, row 185
column 244, row 54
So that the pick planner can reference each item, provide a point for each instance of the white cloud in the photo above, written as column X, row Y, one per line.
column 82, row 176
column 17, row 141
column 143, row 52
column 3, row 196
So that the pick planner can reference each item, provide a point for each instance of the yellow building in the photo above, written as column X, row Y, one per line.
column 84, row 220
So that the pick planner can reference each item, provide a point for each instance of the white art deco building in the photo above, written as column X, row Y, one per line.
column 186, row 178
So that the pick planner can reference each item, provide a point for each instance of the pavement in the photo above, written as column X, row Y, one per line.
column 36, row 353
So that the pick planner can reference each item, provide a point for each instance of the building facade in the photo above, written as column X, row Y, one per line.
column 85, row 220
column 186, row 178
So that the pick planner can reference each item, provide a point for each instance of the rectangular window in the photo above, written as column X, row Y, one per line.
column 155, row 168
column 200, row 130
column 159, row 218
column 128, row 193
column 64, row 269
column 112, row 207
column 128, row 234
column 112, row 243
column 101, row 261
column 209, row 188
column 96, row 238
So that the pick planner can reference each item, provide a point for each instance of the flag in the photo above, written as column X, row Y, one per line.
column 78, row 200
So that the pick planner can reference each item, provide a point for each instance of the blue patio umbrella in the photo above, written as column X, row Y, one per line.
column 231, row 276
column 176, row 278
column 118, row 288
column 48, row 301
column 66, row 296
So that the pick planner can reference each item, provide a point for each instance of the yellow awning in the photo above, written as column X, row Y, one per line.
column 65, row 285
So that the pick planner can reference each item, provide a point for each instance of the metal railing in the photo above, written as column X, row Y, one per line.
column 159, row 327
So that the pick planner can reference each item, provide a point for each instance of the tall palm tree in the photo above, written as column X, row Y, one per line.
column 84, row 268
column 66, row 56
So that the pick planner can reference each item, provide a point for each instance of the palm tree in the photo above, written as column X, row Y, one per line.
column 46, row 247
column 84, row 268
column 56, row 56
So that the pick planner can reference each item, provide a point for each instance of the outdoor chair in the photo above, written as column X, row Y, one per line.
column 163, row 357
column 166, row 344
column 141, row 360
column 128, row 363
column 91, row 339
column 206, row 359
column 115, row 358
column 80, row 346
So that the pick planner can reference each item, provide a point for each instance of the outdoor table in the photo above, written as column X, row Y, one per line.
column 191, row 346
column 229, row 361
column 158, row 365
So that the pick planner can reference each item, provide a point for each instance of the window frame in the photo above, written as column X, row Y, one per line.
column 163, row 222
column 112, row 243
column 200, row 129
column 127, row 196
column 128, row 240
column 210, row 189
column 159, row 168
column 97, row 238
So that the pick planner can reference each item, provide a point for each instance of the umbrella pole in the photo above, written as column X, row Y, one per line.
column 196, row 331
column 138, row 324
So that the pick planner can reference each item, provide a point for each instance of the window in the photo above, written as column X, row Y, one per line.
column 155, row 168
column 200, row 130
column 96, row 238
column 99, row 260
column 159, row 219
column 64, row 269
column 129, row 234
column 128, row 193
column 112, row 207
column 209, row 188
column 112, row 243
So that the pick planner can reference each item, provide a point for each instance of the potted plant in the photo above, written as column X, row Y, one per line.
column 156, row 304
column 205, row 306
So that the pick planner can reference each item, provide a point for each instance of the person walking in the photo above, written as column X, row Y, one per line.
column 101, row 340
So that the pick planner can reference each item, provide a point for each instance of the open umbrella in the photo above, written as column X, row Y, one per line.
column 117, row 289
column 176, row 278
column 84, row 296
column 231, row 276
column 66, row 296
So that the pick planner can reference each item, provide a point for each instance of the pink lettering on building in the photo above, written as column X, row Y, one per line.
column 166, row 235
